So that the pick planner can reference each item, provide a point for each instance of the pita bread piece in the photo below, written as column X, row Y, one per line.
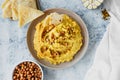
column 27, row 14
column 16, row 3
column 6, row 8
column 4, row 3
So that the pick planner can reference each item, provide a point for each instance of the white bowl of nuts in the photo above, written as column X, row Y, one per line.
column 27, row 70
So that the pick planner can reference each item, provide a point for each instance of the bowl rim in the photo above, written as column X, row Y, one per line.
column 29, row 61
column 84, row 50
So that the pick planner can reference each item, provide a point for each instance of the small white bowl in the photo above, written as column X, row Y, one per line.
column 32, row 62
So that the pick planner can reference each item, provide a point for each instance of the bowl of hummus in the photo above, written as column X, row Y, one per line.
column 57, row 39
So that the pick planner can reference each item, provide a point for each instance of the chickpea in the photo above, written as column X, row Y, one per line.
column 27, row 71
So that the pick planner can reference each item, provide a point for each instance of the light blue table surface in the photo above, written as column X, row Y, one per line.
column 13, row 47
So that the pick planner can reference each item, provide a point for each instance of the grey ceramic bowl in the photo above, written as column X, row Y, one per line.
column 77, row 57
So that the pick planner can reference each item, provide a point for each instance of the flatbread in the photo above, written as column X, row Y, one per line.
column 6, row 8
column 4, row 3
column 27, row 14
column 16, row 3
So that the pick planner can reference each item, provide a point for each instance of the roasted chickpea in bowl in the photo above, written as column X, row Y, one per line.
column 27, row 70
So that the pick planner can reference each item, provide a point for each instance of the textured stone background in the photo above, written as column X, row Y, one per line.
column 13, row 47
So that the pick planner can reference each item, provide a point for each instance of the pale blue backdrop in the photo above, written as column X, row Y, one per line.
column 13, row 47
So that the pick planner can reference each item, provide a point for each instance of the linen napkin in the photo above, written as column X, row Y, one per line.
column 106, row 65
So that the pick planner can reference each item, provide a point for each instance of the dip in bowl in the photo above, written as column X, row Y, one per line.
column 78, row 53
column 57, row 38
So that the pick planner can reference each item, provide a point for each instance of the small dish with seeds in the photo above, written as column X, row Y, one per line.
column 27, row 70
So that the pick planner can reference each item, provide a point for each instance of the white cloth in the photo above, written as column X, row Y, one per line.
column 106, row 65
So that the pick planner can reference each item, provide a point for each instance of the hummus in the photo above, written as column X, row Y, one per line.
column 57, row 38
